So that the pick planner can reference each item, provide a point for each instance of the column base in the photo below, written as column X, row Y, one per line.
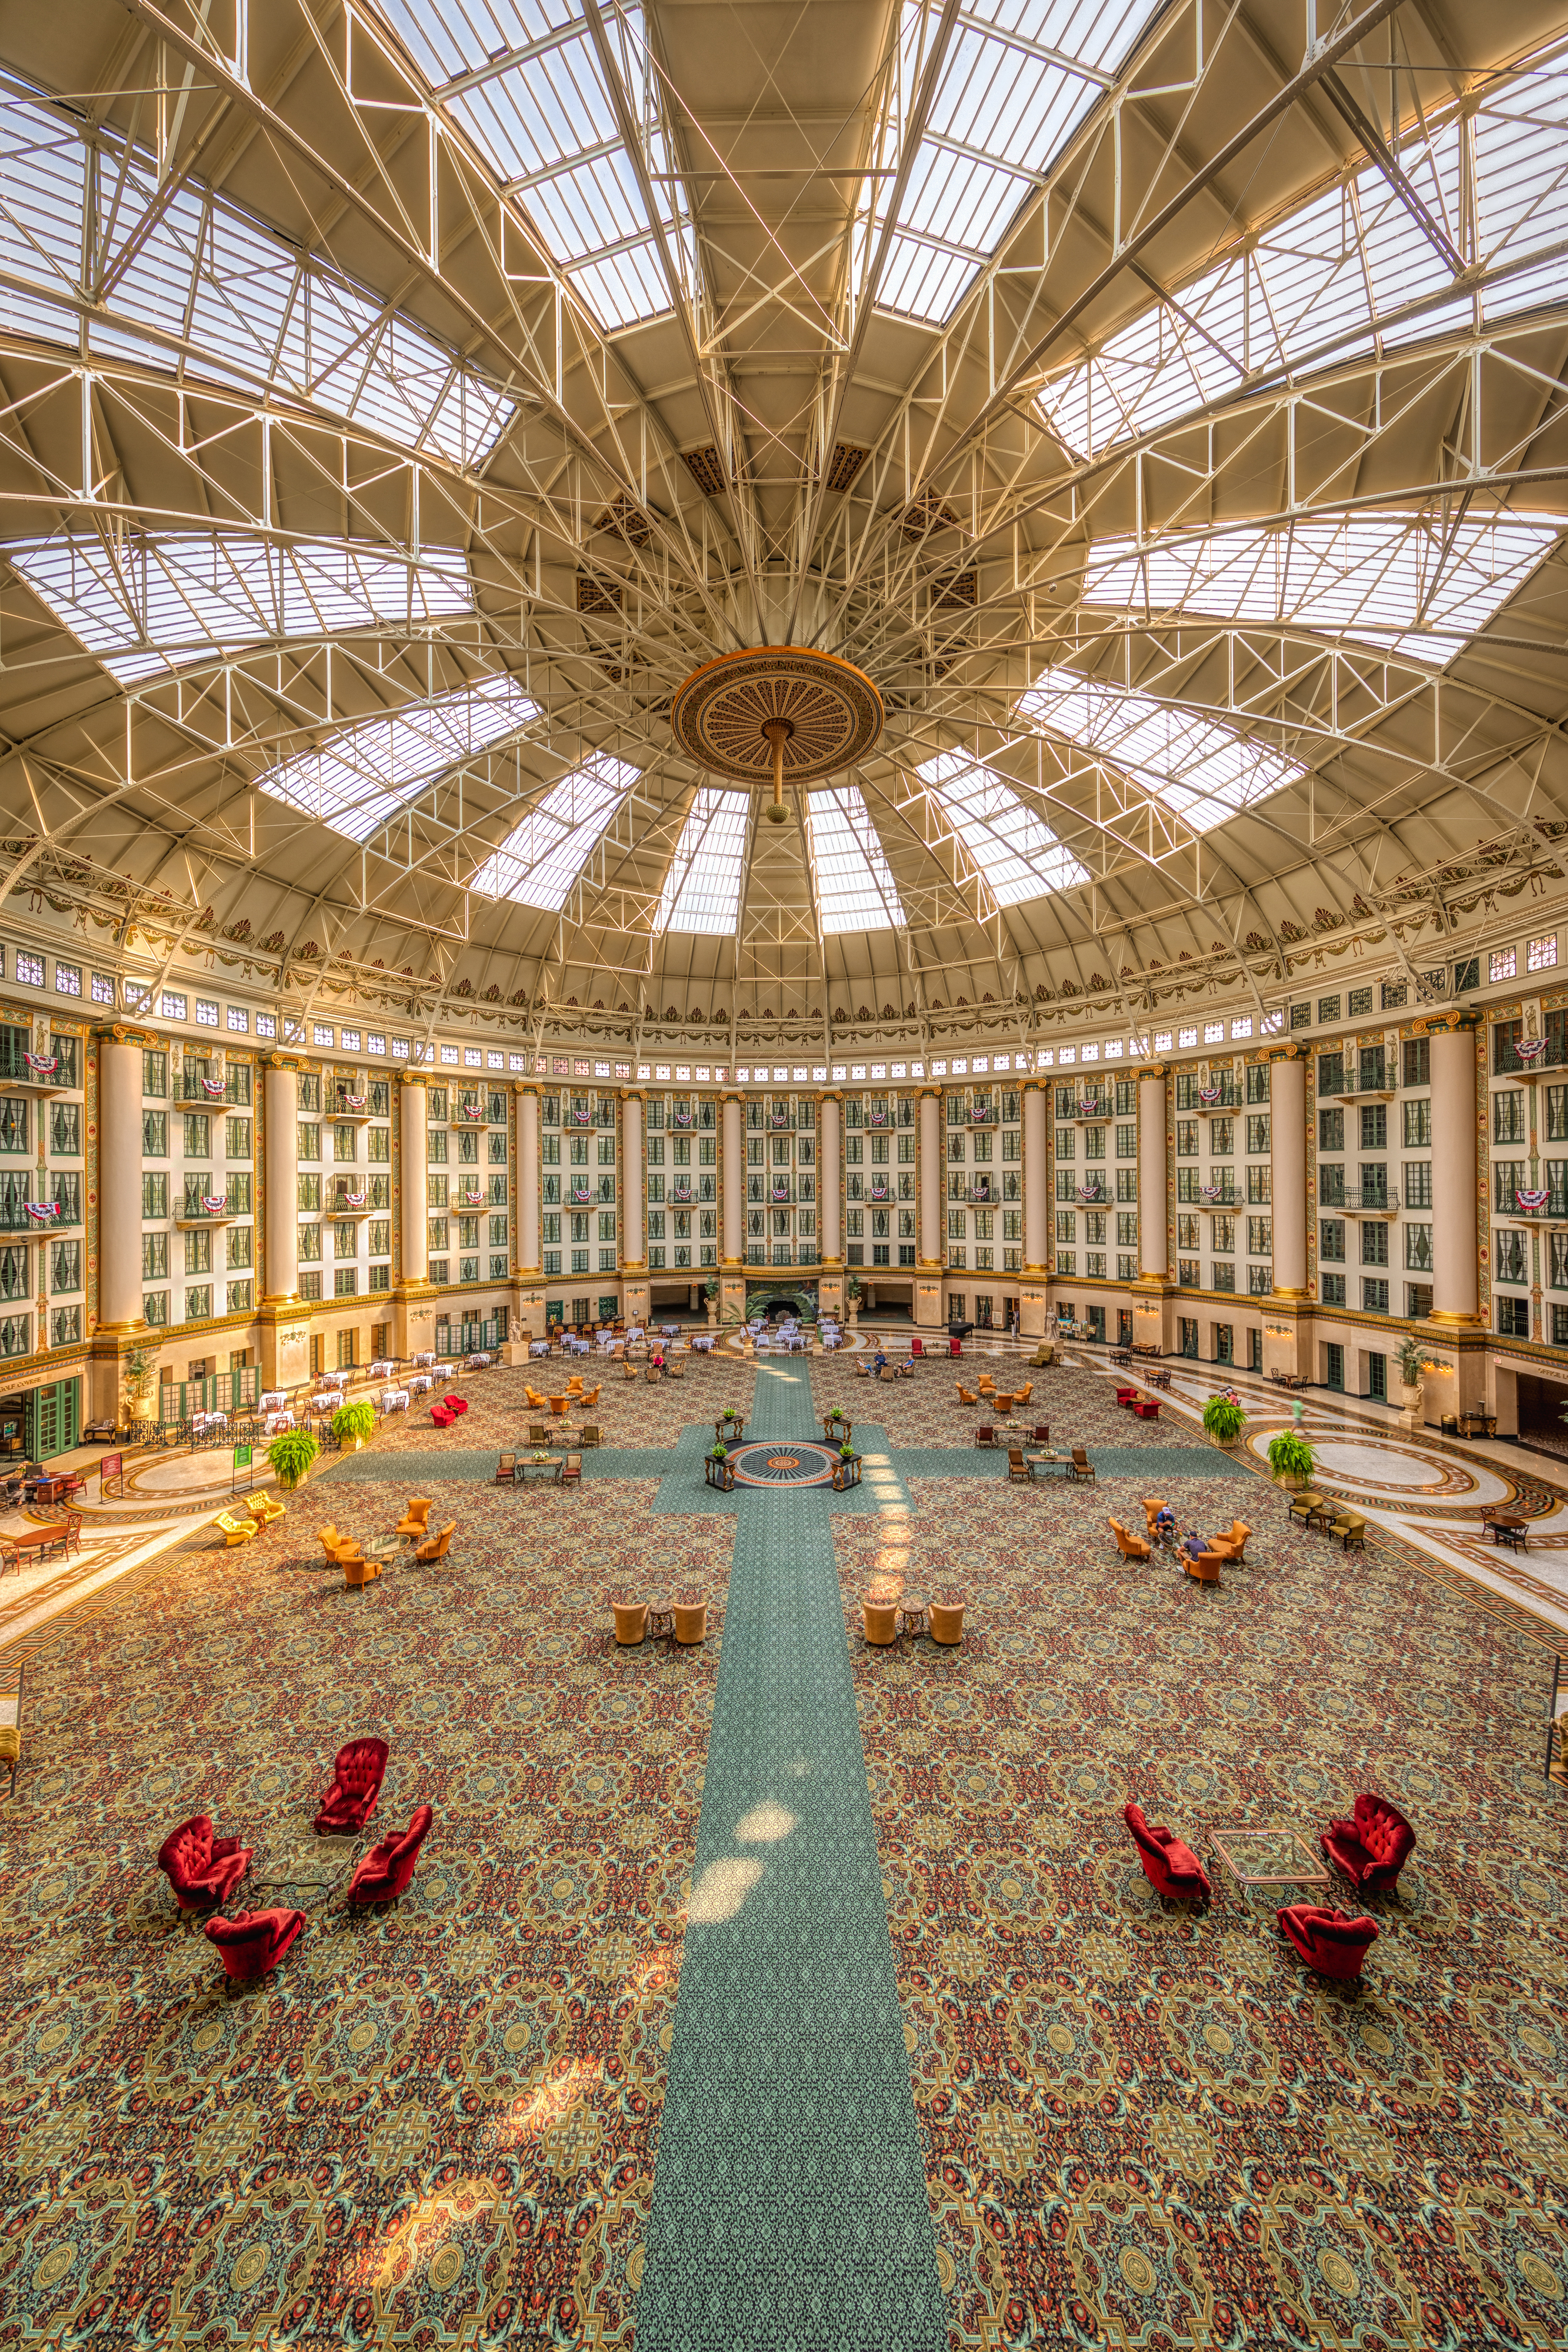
column 1450, row 1319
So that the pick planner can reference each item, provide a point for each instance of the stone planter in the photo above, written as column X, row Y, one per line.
column 1412, row 1401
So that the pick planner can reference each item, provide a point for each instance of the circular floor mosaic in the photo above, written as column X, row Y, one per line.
column 784, row 1461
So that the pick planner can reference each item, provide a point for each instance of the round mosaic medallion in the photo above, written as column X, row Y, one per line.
column 828, row 712
column 773, row 1461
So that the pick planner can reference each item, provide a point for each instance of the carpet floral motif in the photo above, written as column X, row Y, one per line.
column 433, row 2125
column 1149, row 2126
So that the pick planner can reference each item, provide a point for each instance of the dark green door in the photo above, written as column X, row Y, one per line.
column 57, row 1419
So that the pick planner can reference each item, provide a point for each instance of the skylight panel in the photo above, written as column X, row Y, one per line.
column 148, row 605
column 188, row 273
column 1019, row 76
column 855, row 885
column 522, row 77
column 1410, row 585
column 702, row 888
column 540, row 859
column 1345, row 266
column 1201, row 770
column 1018, row 855
column 365, row 773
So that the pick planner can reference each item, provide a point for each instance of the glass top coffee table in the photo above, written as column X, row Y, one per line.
column 1268, row 1858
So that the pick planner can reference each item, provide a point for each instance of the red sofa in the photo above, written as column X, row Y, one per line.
column 387, row 1868
column 1373, row 1848
column 252, row 1945
column 203, row 1871
column 356, row 1784
column 1171, row 1867
column 1326, row 1940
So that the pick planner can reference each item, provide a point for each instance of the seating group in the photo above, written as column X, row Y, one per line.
column 445, row 1413
column 1370, row 1850
column 204, row 1870
column 687, row 1622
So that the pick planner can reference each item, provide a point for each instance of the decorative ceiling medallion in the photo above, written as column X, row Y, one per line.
column 722, row 715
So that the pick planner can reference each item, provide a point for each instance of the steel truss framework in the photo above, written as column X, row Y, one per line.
column 597, row 568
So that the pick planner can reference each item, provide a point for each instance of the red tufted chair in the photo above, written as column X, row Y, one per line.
column 1372, row 1849
column 456, row 1404
column 388, row 1867
column 356, row 1784
column 252, row 1945
column 1326, row 1940
column 203, row 1871
column 1171, row 1867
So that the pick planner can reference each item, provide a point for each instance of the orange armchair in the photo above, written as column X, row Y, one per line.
column 415, row 1519
column 1130, row 1547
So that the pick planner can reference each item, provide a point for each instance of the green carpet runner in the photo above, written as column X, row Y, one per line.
column 789, row 2197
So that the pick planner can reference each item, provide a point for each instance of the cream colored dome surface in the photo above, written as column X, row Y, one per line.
column 416, row 417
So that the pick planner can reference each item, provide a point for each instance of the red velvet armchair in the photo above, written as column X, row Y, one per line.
column 1373, row 1849
column 252, row 1945
column 356, row 1784
column 441, row 1417
column 387, row 1868
column 1171, row 1867
column 455, row 1404
column 1326, row 1940
column 203, row 1871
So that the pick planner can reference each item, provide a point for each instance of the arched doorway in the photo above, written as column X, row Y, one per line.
column 778, row 1299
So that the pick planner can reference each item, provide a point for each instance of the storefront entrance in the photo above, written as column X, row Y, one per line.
column 38, row 1424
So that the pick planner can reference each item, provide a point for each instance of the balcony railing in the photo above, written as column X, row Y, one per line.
column 232, row 1091
column 26, row 1071
column 1360, row 1089
column 1094, row 1107
column 1224, row 1199
column 1225, row 1104
column 18, row 1217
column 1361, row 1202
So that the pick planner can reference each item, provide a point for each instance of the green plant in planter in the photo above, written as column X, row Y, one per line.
column 1412, row 1360
column 290, row 1455
column 853, row 1290
column 1225, row 1418
column 847, row 1453
column 718, row 1453
column 1290, row 1457
column 711, row 1288
column 352, row 1421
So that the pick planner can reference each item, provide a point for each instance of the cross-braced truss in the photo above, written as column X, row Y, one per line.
column 1167, row 411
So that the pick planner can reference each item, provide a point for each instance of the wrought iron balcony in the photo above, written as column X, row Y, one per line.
column 1366, row 1201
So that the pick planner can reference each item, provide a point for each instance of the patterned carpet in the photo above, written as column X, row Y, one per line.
column 1079, row 1409
column 1148, row 2128
column 431, row 2125
column 789, row 2202
column 440, row 2126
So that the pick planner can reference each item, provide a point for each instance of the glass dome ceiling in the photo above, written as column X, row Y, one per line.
column 1166, row 420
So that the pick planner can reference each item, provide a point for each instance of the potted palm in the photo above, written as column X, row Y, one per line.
column 140, row 1364
column 351, row 1424
column 852, row 1295
column 1290, row 1460
column 710, row 1294
column 289, row 1457
column 1225, row 1418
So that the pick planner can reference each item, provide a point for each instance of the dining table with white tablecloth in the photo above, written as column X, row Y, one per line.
column 420, row 1383
column 273, row 1400
column 395, row 1399
column 283, row 1419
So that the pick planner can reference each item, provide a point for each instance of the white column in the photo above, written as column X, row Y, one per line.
column 633, row 1225
column 529, row 1261
column 1037, row 1182
column 119, row 1184
column 281, row 1145
column 1455, row 1244
column 414, row 1115
column 931, row 1178
column 830, row 1184
column 1153, row 1240
column 734, row 1182
column 1288, row 1113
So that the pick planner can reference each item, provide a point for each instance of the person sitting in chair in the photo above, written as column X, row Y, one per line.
column 656, row 1362
column 877, row 1362
column 1194, row 1544
column 1164, row 1525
